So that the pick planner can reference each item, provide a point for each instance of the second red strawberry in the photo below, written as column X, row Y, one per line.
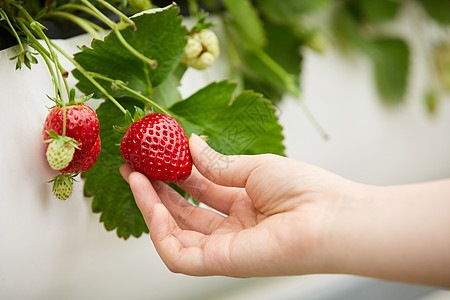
column 157, row 146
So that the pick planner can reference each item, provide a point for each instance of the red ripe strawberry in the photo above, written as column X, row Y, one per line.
column 89, row 161
column 158, row 147
column 81, row 124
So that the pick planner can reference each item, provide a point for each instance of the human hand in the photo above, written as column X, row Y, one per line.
column 272, row 215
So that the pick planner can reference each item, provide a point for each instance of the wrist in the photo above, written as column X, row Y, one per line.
column 395, row 233
column 346, row 231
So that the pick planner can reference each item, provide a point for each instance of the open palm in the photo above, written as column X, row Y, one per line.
column 267, row 218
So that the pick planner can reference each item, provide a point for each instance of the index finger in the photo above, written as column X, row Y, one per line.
column 207, row 192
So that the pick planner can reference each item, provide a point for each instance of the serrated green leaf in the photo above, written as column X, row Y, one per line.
column 247, row 23
column 246, row 124
column 390, row 57
column 439, row 10
column 112, row 196
column 159, row 36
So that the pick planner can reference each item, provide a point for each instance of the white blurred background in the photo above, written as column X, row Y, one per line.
column 53, row 249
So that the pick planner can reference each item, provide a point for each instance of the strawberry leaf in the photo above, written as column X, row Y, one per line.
column 246, row 124
column 159, row 36
column 112, row 196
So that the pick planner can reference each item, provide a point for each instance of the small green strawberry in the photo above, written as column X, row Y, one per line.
column 201, row 50
column 60, row 150
column 62, row 186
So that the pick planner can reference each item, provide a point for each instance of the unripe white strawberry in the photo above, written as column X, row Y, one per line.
column 192, row 49
column 62, row 186
column 202, row 49
column 209, row 41
column 60, row 151
column 59, row 156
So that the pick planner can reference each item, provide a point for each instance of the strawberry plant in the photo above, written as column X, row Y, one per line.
column 135, row 64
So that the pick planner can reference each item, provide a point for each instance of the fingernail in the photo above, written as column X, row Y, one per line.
column 198, row 141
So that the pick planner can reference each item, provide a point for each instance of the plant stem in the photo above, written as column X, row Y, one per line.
column 193, row 8
column 118, row 12
column 116, row 29
column 41, row 50
column 89, row 77
column 291, row 88
column 99, row 14
column 5, row 16
column 313, row 120
column 287, row 79
column 153, row 64
column 137, row 94
column 77, row 7
column 84, row 24
column 44, row 53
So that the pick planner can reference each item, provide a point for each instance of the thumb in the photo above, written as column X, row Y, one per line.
column 227, row 170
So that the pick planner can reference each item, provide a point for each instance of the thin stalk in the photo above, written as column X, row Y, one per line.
column 153, row 64
column 37, row 27
column 292, row 88
column 5, row 16
column 118, row 13
column 137, row 94
column 99, row 14
column 281, row 73
column 115, row 28
column 77, row 7
column 89, row 77
column 41, row 50
column 193, row 8
column 84, row 24
column 313, row 120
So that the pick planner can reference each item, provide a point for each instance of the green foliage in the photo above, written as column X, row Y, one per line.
column 245, row 124
column 160, row 36
column 390, row 58
column 263, row 43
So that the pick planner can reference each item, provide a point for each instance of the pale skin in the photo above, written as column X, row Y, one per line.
column 277, row 216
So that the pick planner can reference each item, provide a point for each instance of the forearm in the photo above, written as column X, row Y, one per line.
column 399, row 233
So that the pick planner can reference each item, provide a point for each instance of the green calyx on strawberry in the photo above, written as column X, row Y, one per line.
column 157, row 146
column 63, row 186
column 60, row 150
column 201, row 50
